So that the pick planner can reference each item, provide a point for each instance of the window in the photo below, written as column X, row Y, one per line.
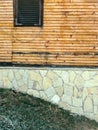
column 28, row 12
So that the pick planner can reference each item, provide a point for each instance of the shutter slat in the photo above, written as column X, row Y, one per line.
column 29, row 12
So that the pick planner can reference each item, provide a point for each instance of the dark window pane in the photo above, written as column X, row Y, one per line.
column 29, row 12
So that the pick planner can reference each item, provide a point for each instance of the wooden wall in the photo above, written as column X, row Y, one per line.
column 69, row 35
column 6, row 25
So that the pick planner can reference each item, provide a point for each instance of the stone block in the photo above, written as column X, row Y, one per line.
column 72, row 76
column 65, row 76
column 86, row 75
column 88, row 105
column 77, row 102
column 33, row 92
column 50, row 92
column 67, row 99
column 59, row 90
column 46, row 83
column 35, row 76
column 55, row 99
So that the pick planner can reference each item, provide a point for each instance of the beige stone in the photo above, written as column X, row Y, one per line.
column 72, row 76
column 88, row 105
column 92, row 90
column 7, row 83
column 79, row 82
column 52, row 75
column 59, row 90
column 46, row 83
column 23, row 89
column 75, row 92
column 35, row 76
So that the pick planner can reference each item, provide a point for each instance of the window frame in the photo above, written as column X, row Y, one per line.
column 15, row 9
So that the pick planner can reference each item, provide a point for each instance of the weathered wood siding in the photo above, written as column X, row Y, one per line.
column 69, row 35
column 6, row 25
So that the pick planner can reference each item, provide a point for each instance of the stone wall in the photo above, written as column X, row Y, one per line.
column 74, row 89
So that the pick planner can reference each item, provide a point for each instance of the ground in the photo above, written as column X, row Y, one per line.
column 23, row 112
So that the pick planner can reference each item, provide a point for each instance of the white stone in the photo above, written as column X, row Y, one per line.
column 68, row 90
column 43, row 73
column 86, row 75
column 30, row 84
column 1, row 75
column 77, row 102
column 58, row 72
column 95, row 99
column 10, row 75
column 91, row 83
column 76, row 110
column 57, row 82
column 64, row 105
column 95, row 109
column 65, row 76
column 88, row 105
column 43, row 95
column 67, row 99
column 1, row 84
column 15, row 85
column 36, row 86
column 20, row 82
column 5, row 73
column 33, row 92
column 50, row 92
column 55, row 99
column 17, row 76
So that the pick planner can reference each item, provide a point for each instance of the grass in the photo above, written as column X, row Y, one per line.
column 23, row 112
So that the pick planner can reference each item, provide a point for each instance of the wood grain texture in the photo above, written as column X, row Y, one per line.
column 69, row 35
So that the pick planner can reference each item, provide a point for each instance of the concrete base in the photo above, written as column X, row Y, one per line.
column 74, row 89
